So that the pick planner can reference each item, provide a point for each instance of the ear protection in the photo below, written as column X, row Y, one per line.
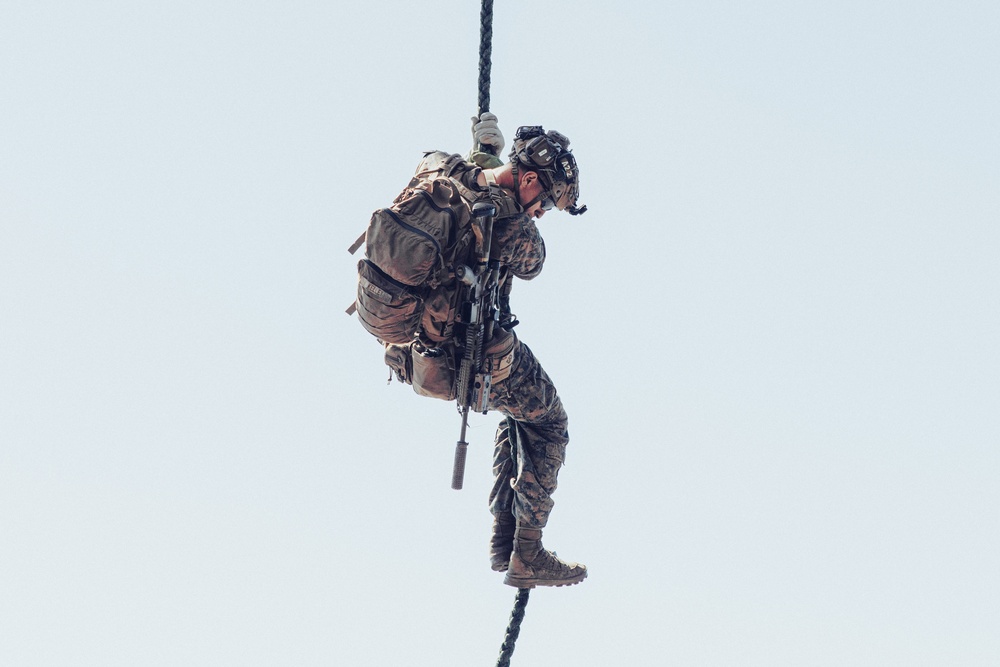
column 535, row 148
column 548, row 154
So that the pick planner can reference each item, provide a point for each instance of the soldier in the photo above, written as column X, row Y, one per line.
column 531, row 442
column 411, row 306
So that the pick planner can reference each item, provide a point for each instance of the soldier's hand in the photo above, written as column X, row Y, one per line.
column 486, row 133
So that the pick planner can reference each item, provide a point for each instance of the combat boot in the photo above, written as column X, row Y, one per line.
column 532, row 565
column 502, row 540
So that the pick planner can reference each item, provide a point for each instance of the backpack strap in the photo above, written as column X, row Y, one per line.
column 468, row 194
column 452, row 164
column 506, row 205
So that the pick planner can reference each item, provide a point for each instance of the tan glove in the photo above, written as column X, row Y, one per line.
column 486, row 135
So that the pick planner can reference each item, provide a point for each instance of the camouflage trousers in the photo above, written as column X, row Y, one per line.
column 530, row 443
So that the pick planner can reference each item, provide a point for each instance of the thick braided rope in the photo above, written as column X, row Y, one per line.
column 485, row 52
column 514, row 628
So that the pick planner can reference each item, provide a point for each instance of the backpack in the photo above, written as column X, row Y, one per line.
column 406, row 282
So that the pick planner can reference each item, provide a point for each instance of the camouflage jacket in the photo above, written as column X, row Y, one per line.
column 522, row 249
column 517, row 242
column 518, row 245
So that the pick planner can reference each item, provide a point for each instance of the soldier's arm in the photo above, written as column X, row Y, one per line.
column 484, row 160
column 522, row 249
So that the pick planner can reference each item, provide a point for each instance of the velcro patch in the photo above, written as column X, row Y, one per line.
column 375, row 292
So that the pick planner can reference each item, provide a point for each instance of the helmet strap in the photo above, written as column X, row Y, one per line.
column 537, row 199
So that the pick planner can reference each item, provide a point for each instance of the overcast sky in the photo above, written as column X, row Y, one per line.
column 775, row 333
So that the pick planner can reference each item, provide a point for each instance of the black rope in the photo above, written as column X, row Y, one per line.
column 485, row 51
column 514, row 627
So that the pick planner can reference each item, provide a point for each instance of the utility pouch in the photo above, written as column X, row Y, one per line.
column 434, row 375
column 399, row 359
column 500, row 355
column 388, row 309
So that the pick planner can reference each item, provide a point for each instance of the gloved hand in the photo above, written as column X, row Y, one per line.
column 486, row 133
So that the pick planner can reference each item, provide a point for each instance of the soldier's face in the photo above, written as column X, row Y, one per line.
column 535, row 211
column 532, row 190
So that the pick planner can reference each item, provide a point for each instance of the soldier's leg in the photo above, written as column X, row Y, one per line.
column 502, row 495
column 531, row 443
column 502, row 498
column 530, row 459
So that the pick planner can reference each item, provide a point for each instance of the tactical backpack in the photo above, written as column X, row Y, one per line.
column 406, row 281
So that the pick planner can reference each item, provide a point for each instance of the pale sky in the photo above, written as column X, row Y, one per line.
column 775, row 333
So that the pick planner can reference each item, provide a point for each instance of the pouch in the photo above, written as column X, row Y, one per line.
column 389, row 310
column 500, row 355
column 399, row 360
column 434, row 376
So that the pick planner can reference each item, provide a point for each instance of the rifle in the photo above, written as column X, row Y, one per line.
column 479, row 315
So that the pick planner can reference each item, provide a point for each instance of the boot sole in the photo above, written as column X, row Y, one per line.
column 531, row 582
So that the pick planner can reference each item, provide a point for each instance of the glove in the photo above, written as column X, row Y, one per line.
column 486, row 133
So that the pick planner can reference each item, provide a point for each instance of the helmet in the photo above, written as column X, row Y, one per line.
column 548, row 155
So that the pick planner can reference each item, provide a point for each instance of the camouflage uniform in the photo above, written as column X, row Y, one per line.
column 531, row 443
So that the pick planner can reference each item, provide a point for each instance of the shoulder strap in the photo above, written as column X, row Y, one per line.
column 468, row 194
column 507, row 206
